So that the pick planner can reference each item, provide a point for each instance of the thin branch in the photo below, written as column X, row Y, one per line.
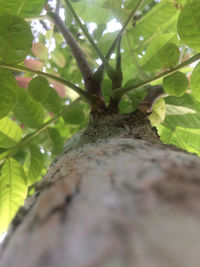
column 116, row 40
column 85, row 95
column 117, row 94
column 75, row 48
column 42, row 128
column 87, row 35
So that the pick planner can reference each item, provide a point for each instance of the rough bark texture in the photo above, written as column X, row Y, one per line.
column 121, row 201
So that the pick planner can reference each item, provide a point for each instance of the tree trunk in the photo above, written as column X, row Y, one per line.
column 126, row 200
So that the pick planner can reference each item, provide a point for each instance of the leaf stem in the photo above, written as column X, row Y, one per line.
column 85, row 95
column 87, row 35
column 119, row 35
column 118, row 93
column 43, row 127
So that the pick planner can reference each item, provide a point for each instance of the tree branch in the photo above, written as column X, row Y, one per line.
column 87, row 35
column 118, row 93
column 92, row 86
column 99, row 72
column 85, row 95
column 154, row 93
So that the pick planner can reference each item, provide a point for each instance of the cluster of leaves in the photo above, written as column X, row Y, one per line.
column 35, row 121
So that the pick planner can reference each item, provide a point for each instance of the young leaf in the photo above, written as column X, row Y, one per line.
column 188, row 25
column 15, row 38
column 175, row 84
column 29, row 112
column 195, row 82
column 13, row 191
column 34, row 163
column 10, row 133
column 74, row 115
column 169, row 55
column 38, row 88
column 158, row 113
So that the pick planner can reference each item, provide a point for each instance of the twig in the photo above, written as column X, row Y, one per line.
column 85, row 95
column 87, row 35
column 118, row 93
column 99, row 71
column 43, row 127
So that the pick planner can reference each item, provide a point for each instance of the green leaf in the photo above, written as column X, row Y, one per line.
column 158, row 113
column 58, row 58
column 10, row 133
column 188, row 25
column 175, row 84
column 29, row 112
column 24, row 8
column 15, row 39
column 53, row 101
column 169, row 55
column 7, row 100
column 38, row 88
column 51, row 140
column 74, row 115
column 13, row 191
column 99, row 31
column 34, row 163
column 150, row 60
column 195, row 82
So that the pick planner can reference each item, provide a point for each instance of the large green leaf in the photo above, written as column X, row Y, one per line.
column 150, row 60
column 29, row 112
column 13, row 191
column 15, row 39
column 10, row 133
column 169, row 55
column 187, row 139
column 87, row 8
column 34, row 163
column 25, row 8
column 161, row 18
column 188, row 25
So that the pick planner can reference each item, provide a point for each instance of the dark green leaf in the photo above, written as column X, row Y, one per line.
column 15, row 39
column 74, row 115
column 38, row 88
column 53, row 101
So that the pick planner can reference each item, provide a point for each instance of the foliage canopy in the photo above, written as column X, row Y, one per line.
column 155, row 46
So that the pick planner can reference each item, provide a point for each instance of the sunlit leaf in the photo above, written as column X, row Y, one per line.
column 158, row 113
column 188, row 25
column 169, row 55
column 175, row 84
column 195, row 82
column 13, row 191
column 10, row 133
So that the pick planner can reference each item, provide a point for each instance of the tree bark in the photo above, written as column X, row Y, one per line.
column 120, row 201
